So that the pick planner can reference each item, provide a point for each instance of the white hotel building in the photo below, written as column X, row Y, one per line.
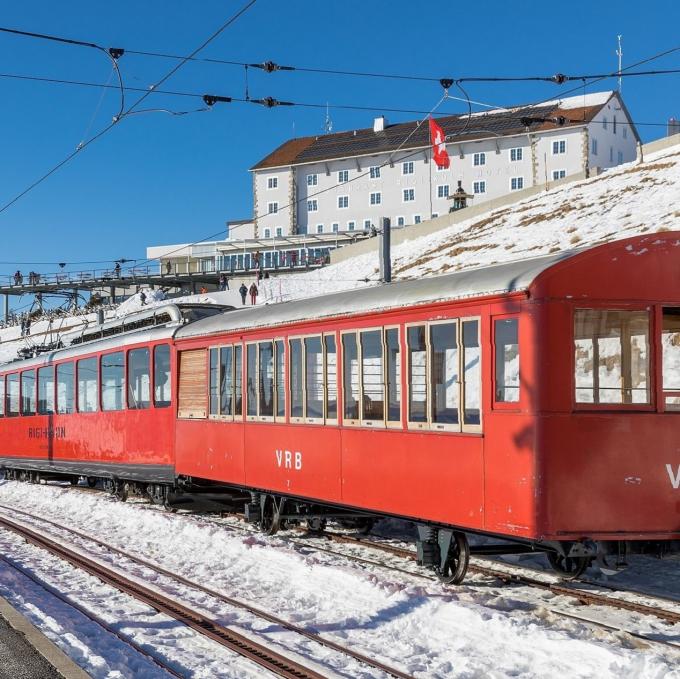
column 347, row 181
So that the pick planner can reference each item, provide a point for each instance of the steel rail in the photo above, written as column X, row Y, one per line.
column 90, row 616
column 238, row 643
column 269, row 617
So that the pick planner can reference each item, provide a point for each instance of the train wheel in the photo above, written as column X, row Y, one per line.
column 91, row 481
column 270, row 521
column 365, row 526
column 456, row 564
column 122, row 491
column 569, row 567
column 316, row 525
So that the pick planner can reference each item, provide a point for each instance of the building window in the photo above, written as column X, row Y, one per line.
column 279, row 231
column 516, row 183
column 479, row 159
column 611, row 363
column 376, row 198
column 312, row 205
column 407, row 168
column 619, row 157
column 624, row 131
column 559, row 146
column 409, row 195
column 312, row 179
column 272, row 208
column 559, row 174
column 611, row 154
column 593, row 147
column 400, row 221
column 614, row 125
column 416, row 219
column 374, row 172
column 367, row 224
column 604, row 123
column 267, row 233
column 335, row 227
column 351, row 226
column 443, row 191
column 272, row 182
column 343, row 202
column 441, row 168
column 506, row 351
column 479, row 187
column 319, row 228
column 343, row 176
column 516, row 154
column 435, row 215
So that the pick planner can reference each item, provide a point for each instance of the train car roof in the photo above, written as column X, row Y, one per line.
column 516, row 276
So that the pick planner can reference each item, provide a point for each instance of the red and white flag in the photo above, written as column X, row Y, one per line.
column 438, row 141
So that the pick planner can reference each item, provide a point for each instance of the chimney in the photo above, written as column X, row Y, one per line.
column 379, row 124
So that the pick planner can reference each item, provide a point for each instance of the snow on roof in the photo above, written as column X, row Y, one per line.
column 582, row 101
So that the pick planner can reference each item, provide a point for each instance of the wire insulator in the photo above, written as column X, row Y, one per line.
column 559, row 78
column 446, row 83
column 116, row 52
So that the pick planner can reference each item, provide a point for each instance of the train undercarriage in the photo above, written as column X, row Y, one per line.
column 442, row 549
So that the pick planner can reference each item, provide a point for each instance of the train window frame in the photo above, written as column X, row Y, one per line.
column 280, row 341
column 59, row 368
column 33, row 400
column 399, row 423
column 97, row 408
column 662, row 393
column 412, row 424
column 45, row 370
column 496, row 404
column 307, row 419
column 472, row 428
column 350, row 422
column 2, row 395
column 260, row 416
column 11, row 378
column 363, row 422
column 158, row 403
column 444, row 426
column 324, row 346
column 653, row 364
column 246, row 390
column 130, row 387
column 122, row 386
column 295, row 419
column 216, row 350
column 219, row 415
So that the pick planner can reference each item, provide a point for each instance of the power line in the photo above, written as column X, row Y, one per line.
column 84, row 145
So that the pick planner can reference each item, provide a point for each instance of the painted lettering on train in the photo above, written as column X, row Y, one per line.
column 288, row 459
column 47, row 432
column 674, row 477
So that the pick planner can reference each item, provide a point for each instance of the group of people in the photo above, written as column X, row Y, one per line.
column 33, row 278
column 25, row 325
column 253, row 291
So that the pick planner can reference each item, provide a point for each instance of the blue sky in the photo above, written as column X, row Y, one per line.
column 157, row 179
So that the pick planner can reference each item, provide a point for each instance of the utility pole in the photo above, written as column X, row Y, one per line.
column 619, row 54
column 384, row 245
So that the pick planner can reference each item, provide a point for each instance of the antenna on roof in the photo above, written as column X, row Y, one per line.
column 619, row 54
column 328, row 123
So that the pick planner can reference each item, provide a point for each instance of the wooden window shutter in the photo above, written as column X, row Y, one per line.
column 193, row 384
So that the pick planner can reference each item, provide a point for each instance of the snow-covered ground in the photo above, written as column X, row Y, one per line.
column 481, row 629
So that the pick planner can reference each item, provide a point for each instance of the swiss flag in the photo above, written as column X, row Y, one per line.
column 438, row 141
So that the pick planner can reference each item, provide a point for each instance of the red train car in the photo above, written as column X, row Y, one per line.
column 534, row 401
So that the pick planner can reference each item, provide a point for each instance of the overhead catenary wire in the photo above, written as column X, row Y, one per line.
column 83, row 145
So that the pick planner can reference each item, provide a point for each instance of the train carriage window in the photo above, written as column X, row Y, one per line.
column 193, row 384
column 331, row 370
column 65, row 388
column 46, row 391
column 417, row 373
column 611, row 356
column 265, row 382
column 214, row 370
column 161, row 376
column 238, row 380
column 12, row 395
column 113, row 381
column 314, row 379
column 373, row 387
column 444, row 373
column 506, row 342
column 251, row 380
column 2, row 397
column 296, row 379
column 393, row 375
column 28, row 398
column 472, row 374
column 139, row 379
column 226, row 381
column 350, row 385
column 280, row 380
column 88, row 381
column 670, row 347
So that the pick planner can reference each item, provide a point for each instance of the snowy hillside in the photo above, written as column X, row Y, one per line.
column 630, row 200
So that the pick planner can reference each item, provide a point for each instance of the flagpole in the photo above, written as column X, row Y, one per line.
column 431, row 161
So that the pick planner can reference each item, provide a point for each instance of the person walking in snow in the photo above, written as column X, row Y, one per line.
column 224, row 283
column 142, row 298
column 244, row 291
column 253, row 294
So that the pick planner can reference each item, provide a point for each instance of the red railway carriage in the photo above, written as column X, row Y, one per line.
column 536, row 401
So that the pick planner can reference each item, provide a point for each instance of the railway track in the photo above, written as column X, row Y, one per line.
column 244, row 646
